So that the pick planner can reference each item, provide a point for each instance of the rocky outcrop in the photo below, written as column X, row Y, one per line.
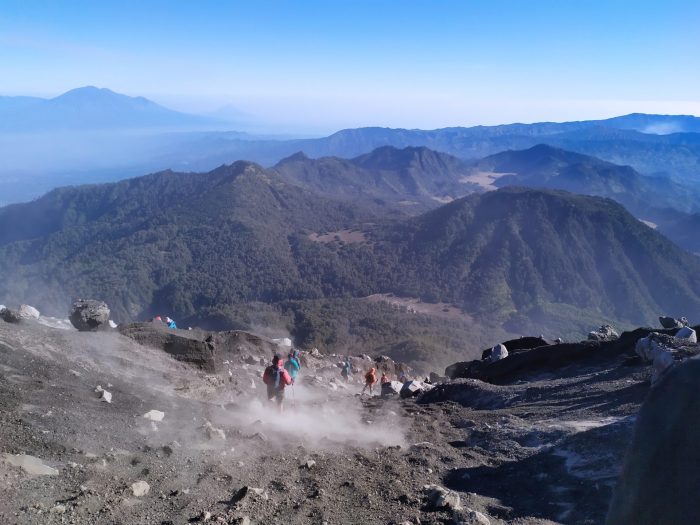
column 671, row 322
column 660, row 481
column 88, row 315
column 604, row 333
column 183, row 345
column 515, row 346
column 549, row 358
column 663, row 351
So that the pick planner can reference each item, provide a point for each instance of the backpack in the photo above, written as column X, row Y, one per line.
column 275, row 373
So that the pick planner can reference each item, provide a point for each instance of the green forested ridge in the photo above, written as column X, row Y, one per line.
column 204, row 247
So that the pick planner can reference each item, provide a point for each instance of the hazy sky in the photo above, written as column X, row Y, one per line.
column 313, row 66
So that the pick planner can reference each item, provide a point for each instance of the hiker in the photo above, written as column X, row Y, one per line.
column 170, row 322
column 384, row 379
column 276, row 378
column 292, row 366
column 347, row 370
column 370, row 380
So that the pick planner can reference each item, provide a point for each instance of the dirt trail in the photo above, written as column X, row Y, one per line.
column 548, row 448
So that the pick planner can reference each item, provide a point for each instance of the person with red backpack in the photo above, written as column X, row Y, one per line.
column 276, row 378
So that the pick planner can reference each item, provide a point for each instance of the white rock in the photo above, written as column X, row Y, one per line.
column 28, row 312
column 59, row 509
column 154, row 415
column 30, row 464
column 140, row 488
column 651, row 350
column 687, row 333
column 104, row 395
column 283, row 341
column 112, row 324
column 498, row 352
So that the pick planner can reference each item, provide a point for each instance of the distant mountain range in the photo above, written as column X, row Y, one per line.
column 96, row 135
column 197, row 245
column 90, row 108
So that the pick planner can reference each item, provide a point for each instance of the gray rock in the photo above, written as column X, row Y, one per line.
column 660, row 480
column 498, row 352
column 652, row 350
column 413, row 388
column 468, row 516
column 10, row 316
column 28, row 312
column 391, row 388
column 88, row 315
column 669, row 322
column 687, row 333
column 442, row 498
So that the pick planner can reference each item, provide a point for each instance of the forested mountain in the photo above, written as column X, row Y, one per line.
column 178, row 240
column 197, row 245
column 415, row 178
column 544, row 166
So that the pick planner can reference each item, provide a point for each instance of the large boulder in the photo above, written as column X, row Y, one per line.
column 498, row 352
column 660, row 481
column 687, row 333
column 414, row 388
column 671, row 322
column 28, row 312
column 10, row 316
column 193, row 347
column 391, row 387
column 88, row 315
column 390, row 367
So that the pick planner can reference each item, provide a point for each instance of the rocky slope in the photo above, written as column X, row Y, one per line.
column 544, row 447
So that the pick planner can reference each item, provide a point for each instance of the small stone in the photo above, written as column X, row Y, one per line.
column 154, row 415
column 309, row 464
column 104, row 395
column 140, row 488
column 59, row 509
column 213, row 433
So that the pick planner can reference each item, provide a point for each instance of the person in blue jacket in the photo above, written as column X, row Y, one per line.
column 170, row 322
column 292, row 366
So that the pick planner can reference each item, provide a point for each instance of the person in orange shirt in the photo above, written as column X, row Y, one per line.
column 370, row 380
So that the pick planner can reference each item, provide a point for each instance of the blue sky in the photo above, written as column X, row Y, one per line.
column 317, row 66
